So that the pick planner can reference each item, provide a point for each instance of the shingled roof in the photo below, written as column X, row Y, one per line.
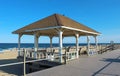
column 56, row 21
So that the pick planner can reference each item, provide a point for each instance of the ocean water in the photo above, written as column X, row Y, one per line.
column 42, row 45
column 29, row 45
column 0, row 49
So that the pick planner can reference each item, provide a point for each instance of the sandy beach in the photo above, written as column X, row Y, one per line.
column 7, row 54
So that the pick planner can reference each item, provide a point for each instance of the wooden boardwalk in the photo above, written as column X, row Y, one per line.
column 106, row 64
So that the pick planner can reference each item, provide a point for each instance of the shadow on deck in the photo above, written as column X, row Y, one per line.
column 10, row 70
column 18, row 68
column 110, row 62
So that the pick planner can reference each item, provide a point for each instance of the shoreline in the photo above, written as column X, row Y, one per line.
column 6, row 46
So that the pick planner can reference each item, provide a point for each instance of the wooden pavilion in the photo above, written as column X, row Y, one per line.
column 56, row 25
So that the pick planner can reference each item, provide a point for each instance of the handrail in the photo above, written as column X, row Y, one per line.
column 110, row 47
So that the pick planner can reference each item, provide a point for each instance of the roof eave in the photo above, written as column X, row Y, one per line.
column 57, row 27
column 96, row 33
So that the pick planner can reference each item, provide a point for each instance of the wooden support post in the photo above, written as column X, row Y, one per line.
column 77, row 44
column 36, row 37
column 60, row 44
column 88, row 45
column 19, row 42
column 24, row 62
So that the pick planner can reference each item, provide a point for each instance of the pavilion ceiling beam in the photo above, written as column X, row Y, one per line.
column 63, row 28
column 47, row 28
column 85, row 31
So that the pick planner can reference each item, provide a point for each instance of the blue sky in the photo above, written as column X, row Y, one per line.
column 101, row 15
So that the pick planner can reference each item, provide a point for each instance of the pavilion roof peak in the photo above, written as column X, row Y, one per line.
column 54, row 21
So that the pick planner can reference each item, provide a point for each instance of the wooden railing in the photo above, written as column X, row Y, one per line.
column 71, row 55
column 92, row 51
column 107, row 48
column 43, row 54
